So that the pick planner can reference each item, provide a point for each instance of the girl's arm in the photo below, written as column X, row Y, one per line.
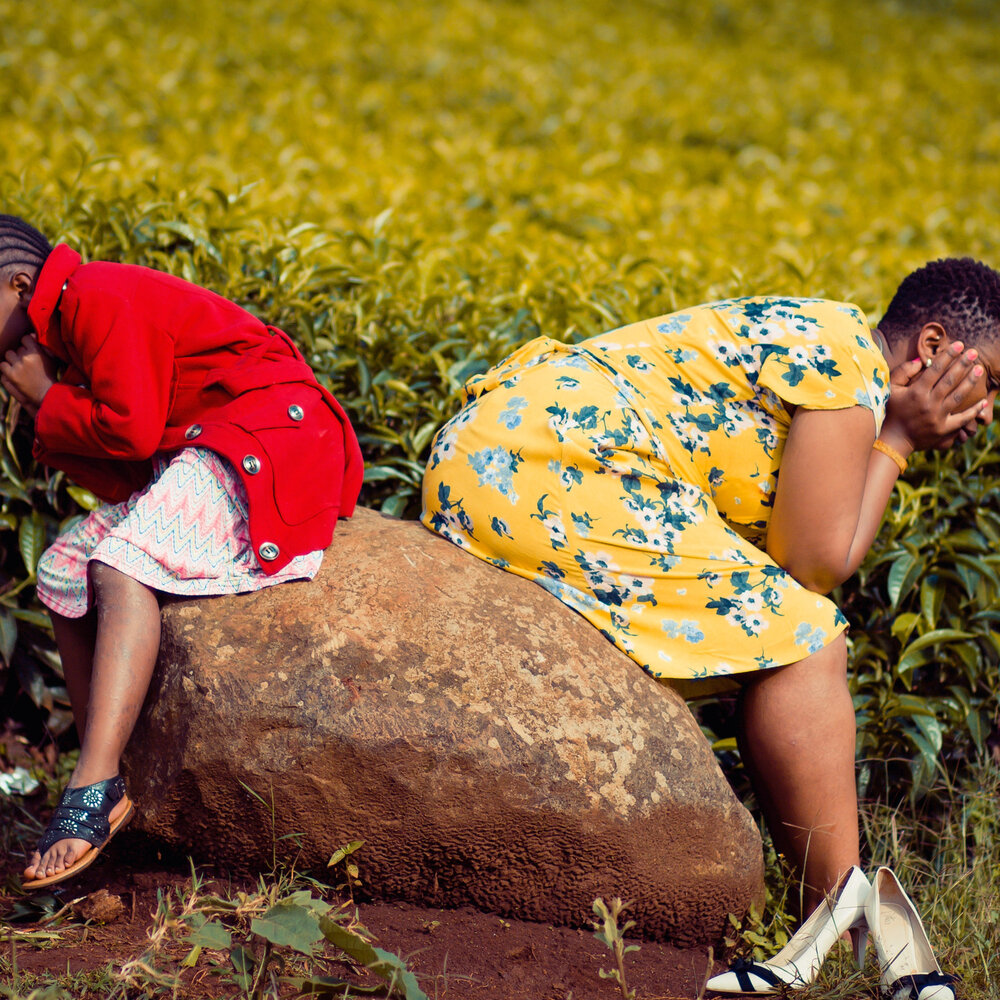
column 129, row 363
column 28, row 373
column 833, row 487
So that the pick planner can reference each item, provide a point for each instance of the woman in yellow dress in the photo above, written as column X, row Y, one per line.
column 635, row 476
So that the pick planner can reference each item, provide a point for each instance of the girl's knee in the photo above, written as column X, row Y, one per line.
column 100, row 574
column 105, row 579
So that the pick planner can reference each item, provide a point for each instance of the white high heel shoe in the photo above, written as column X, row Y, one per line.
column 797, row 964
column 909, row 968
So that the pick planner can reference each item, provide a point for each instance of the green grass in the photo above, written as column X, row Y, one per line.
column 948, row 860
column 285, row 936
column 413, row 194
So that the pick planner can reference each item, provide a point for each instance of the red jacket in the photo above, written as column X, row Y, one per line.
column 157, row 363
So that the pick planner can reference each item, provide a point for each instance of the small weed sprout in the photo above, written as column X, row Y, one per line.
column 612, row 935
column 342, row 855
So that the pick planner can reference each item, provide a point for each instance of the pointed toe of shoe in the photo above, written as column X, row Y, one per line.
column 911, row 988
column 725, row 982
column 729, row 982
column 936, row 993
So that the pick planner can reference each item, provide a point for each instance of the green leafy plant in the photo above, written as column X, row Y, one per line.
column 611, row 934
column 262, row 943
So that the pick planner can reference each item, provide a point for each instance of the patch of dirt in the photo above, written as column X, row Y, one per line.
column 456, row 954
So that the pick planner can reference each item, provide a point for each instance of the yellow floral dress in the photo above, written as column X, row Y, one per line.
column 632, row 475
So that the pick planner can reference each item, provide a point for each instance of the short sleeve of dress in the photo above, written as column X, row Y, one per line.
column 818, row 354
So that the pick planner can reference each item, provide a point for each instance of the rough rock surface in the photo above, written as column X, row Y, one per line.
column 489, row 746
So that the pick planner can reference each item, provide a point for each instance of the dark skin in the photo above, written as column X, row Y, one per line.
column 822, row 526
column 108, row 655
column 797, row 721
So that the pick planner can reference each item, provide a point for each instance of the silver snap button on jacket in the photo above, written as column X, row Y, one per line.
column 268, row 551
column 252, row 464
column 192, row 432
column 296, row 412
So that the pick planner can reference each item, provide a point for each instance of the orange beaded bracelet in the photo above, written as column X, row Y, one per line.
column 891, row 452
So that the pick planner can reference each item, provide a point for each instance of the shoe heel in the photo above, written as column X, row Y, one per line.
column 859, row 943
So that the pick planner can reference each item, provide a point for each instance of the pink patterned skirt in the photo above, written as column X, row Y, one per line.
column 186, row 533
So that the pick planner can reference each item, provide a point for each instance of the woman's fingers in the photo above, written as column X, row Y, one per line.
column 958, row 419
column 955, row 373
column 905, row 373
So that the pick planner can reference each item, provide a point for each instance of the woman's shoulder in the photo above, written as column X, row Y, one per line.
column 798, row 314
column 747, row 314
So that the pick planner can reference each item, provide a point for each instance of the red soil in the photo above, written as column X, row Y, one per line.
column 455, row 954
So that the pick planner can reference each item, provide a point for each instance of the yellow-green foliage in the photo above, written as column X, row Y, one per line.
column 413, row 189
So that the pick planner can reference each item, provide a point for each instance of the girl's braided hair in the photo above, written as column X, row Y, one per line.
column 21, row 245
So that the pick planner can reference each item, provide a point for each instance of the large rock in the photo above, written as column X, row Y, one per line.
column 488, row 745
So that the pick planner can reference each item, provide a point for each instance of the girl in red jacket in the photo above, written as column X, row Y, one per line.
column 223, row 463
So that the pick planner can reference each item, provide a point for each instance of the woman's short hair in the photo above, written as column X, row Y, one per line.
column 960, row 293
column 21, row 245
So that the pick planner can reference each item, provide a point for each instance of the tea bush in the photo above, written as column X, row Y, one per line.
column 412, row 194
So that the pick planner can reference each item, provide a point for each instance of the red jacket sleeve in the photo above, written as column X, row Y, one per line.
column 122, row 412
column 110, row 480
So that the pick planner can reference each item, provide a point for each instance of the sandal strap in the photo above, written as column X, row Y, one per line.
column 82, row 814
column 909, row 987
column 743, row 968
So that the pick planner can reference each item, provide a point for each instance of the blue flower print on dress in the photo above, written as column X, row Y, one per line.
column 451, row 519
column 676, row 323
column 446, row 442
column 577, row 599
column 571, row 476
column 685, row 394
column 510, row 417
column 496, row 467
column 689, row 630
column 500, row 527
column 725, row 352
column 745, row 609
column 598, row 570
column 562, row 421
column 679, row 356
column 810, row 636
column 552, row 570
column 671, row 431
column 571, row 360
column 611, row 586
column 637, row 362
column 552, row 523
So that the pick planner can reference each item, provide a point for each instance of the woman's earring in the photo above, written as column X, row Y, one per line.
column 928, row 362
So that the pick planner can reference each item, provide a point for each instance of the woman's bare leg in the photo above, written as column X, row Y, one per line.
column 125, row 651
column 797, row 742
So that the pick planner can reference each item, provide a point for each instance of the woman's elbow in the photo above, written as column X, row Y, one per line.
column 820, row 575
column 819, row 580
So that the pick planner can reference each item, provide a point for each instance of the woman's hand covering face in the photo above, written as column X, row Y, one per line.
column 931, row 406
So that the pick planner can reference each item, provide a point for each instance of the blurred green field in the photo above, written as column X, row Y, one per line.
column 521, row 146
column 414, row 189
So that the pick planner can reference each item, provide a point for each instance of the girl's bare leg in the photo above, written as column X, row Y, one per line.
column 76, row 638
column 797, row 743
column 127, row 640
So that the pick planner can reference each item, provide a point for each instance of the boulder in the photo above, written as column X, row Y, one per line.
column 486, row 743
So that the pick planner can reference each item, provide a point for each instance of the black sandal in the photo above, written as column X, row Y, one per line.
column 83, row 814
